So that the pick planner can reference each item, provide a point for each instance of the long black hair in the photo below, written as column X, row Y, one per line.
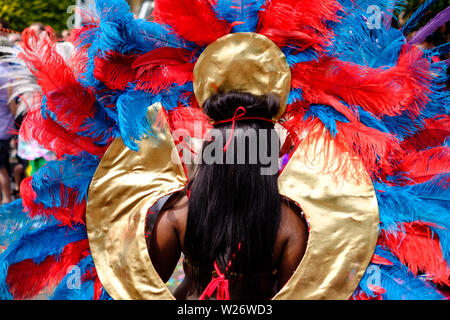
column 234, row 209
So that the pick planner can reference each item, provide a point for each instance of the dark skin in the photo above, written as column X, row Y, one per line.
column 166, row 244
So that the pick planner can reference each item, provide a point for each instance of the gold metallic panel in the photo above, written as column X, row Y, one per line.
column 126, row 184
column 343, row 225
column 246, row 62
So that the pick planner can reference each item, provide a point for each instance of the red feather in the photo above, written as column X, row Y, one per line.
column 66, row 98
column 380, row 260
column 162, row 67
column 90, row 22
column 363, row 296
column 194, row 20
column 161, row 56
column 71, row 213
column 154, row 71
column 79, row 62
column 293, row 121
column 420, row 167
column 98, row 288
column 115, row 70
column 376, row 149
column 373, row 147
column 409, row 245
column 434, row 133
column 379, row 91
column 55, row 138
column 191, row 119
column 301, row 21
column 91, row 275
column 28, row 279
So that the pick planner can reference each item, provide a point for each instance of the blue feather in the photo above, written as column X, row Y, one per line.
column 100, row 128
column 354, row 7
column 403, row 125
column 15, row 222
column 73, row 172
column 48, row 240
column 132, row 109
column 371, row 121
column 397, row 280
column 327, row 115
column 416, row 16
column 72, row 288
column 399, row 204
column 12, row 221
column 355, row 42
column 293, row 57
column 440, row 50
column 295, row 95
column 172, row 97
column 242, row 11
column 121, row 32
column 428, row 202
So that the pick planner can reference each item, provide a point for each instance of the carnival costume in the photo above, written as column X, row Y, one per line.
column 365, row 109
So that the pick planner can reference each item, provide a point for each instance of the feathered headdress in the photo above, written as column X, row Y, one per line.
column 373, row 93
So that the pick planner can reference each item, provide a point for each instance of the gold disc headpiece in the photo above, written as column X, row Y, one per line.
column 246, row 62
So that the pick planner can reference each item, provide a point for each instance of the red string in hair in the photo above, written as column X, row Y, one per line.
column 221, row 284
column 234, row 119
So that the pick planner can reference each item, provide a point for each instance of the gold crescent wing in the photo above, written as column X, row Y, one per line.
column 125, row 185
column 343, row 221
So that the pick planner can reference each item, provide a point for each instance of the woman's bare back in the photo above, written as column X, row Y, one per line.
column 167, row 243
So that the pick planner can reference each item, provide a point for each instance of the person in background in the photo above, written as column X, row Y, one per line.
column 65, row 35
column 6, row 124
column 14, row 38
column 38, row 28
column 19, row 165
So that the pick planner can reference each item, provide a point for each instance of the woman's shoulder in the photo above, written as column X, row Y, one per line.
column 175, row 210
column 292, row 222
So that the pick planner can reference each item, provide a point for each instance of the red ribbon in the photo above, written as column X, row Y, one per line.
column 220, row 284
column 234, row 119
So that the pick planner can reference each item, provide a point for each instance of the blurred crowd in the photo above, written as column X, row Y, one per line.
column 18, row 158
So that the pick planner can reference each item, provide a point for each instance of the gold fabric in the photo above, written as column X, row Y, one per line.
column 343, row 224
column 126, row 184
column 247, row 62
column 342, row 217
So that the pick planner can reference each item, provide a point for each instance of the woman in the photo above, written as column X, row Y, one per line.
column 231, row 223
column 6, row 125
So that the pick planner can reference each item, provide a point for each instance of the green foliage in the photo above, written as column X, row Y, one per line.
column 435, row 8
column 21, row 13
column 413, row 5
